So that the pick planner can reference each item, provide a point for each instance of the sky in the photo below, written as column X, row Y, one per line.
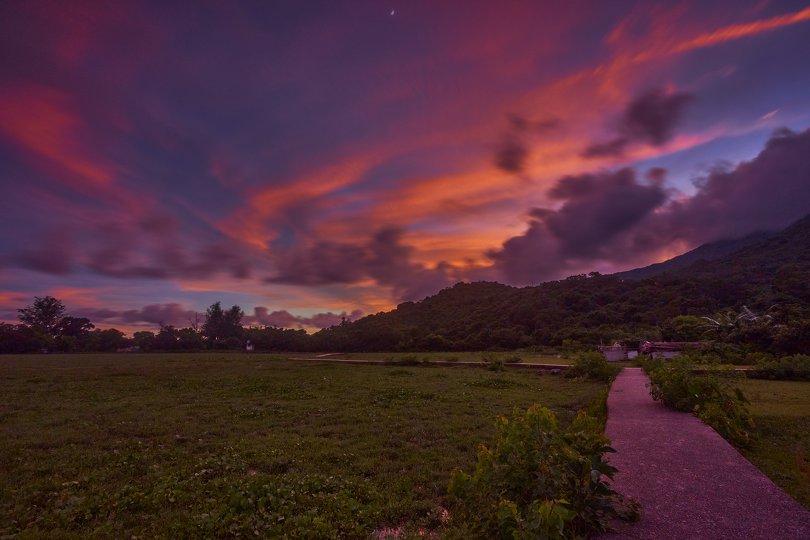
column 311, row 161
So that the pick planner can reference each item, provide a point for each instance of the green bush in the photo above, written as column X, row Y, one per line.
column 513, row 359
column 711, row 397
column 492, row 362
column 795, row 368
column 592, row 364
column 539, row 481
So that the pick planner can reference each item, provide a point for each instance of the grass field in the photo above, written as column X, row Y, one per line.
column 220, row 445
column 781, row 410
column 525, row 357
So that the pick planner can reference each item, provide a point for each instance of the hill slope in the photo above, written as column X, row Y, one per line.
column 592, row 308
column 705, row 252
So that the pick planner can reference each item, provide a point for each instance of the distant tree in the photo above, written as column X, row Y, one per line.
column 189, row 339
column 166, row 339
column 44, row 315
column 221, row 325
column 144, row 340
column 76, row 327
column 106, row 340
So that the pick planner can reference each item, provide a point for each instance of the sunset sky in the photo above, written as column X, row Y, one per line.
column 310, row 160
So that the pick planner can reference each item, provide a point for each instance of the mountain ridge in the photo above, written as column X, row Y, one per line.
column 593, row 308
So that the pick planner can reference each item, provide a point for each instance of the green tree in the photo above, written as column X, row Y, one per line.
column 144, row 339
column 44, row 315
column 220, row 324
column 684, row 328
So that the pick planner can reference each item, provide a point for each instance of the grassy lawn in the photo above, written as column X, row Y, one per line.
column 525, row 357
column 220, row 445
column 781, row 410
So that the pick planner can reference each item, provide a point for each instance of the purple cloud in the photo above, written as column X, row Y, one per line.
column 384, row 258
column 611, row 217
column 651, row 118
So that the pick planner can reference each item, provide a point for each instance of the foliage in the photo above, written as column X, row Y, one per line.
column 210, row 445
column 220, row 325
column 781, row 447
column 44, row 314
column 712, row 398
column 796, row 367
column 493, row 362
column 539, row 481
column 593, row 365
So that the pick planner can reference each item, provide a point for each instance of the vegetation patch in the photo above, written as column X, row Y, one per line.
column 713, row 398
column 592, row 365
column 781, row 447
column 791, row 368
column 233, row 445
column 539, row 480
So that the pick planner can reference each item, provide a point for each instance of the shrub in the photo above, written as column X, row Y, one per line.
column 592, row 365
column 514, row 359
column 492, row 362
column 712, row 398
column 539, row 481
column 796, row 368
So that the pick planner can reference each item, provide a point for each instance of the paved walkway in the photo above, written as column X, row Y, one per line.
column 690, row 482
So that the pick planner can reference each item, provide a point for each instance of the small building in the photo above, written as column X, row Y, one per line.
column 614, row 353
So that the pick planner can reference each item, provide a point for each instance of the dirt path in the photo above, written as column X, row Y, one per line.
column 690, row 482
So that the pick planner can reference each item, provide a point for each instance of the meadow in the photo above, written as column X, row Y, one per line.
column 781, row 449
column 234, row 444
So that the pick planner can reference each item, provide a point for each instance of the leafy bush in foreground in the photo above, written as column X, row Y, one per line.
column 539, row 481
column 712, row 398
column 592, row 365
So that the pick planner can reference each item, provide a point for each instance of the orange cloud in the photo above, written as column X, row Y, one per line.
column 738, row 31
column 38, row 120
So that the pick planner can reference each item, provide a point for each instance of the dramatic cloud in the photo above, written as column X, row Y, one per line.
column 512, row 152
column 611, row 218
column 384, row 258
column 650, row 118
column 596, row 208
column 511, row 155
column 328, row 157
column 765, row 193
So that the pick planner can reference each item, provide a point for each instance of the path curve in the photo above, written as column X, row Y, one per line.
column 690, row 482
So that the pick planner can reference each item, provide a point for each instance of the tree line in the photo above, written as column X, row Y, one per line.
column 45, row 326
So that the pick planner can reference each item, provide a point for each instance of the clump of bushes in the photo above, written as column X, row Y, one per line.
column 795, row 368
column 492, row 362
column 513, row 359
column 592, row 365
column 539, row 481
column 712, row 397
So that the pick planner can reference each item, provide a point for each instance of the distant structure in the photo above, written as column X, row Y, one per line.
column 614, row 353
column 249, row 346
column 669, row 349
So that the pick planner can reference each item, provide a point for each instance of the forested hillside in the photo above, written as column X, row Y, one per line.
column 771, row 277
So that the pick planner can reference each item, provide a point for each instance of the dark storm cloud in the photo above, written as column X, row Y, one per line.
column 513, row 151
column 383, row 258
column 611, row 217
column 650, row 118
column 511, row 155
column 151, row 248
column 596, row 209
column 766, row 193
column 284, row 319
